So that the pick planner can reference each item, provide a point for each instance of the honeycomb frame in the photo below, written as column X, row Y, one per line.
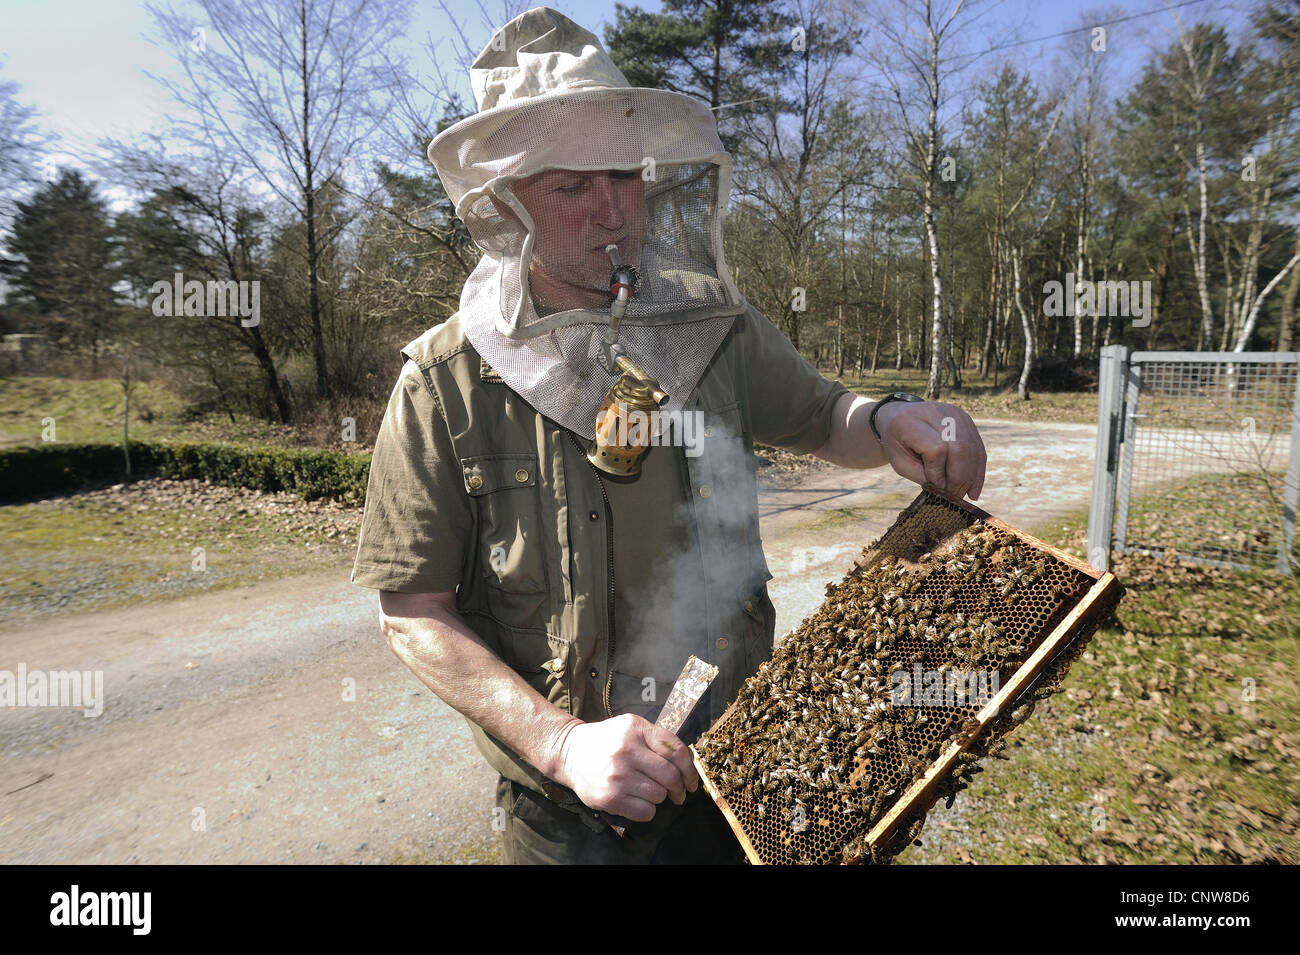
column 1059, row 611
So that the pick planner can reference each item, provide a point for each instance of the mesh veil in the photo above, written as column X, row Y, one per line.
column 673, row 165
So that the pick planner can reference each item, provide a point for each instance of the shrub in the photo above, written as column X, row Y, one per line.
column 27, row 472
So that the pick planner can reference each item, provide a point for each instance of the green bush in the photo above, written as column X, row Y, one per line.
column 36, row 471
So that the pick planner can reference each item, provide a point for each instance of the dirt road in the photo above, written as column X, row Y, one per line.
column 273, row 724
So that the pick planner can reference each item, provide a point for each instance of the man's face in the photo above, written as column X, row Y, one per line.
column 577, row 214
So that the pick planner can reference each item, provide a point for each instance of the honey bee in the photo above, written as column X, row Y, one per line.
column 820, row 709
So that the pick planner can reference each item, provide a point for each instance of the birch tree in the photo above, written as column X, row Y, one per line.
column 1086, row 134
column 915, row 40
column 1271, row 164
column 1200, row 68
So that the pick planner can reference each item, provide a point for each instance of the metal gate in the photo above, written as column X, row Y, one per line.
column 1178, row 430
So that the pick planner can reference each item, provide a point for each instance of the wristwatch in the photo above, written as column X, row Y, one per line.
column 896, row 396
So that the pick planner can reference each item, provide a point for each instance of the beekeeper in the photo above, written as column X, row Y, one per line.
column 552, row 602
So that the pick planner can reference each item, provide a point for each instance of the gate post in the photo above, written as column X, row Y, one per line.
column 1291, row 489
column 1105, row 473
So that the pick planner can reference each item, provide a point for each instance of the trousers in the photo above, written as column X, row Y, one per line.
column 539, row 832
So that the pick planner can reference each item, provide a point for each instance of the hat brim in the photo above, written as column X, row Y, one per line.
column 514, row 139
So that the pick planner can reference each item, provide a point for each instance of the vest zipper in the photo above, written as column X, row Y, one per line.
column 609, row 554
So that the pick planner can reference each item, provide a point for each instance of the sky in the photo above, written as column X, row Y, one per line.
column 82, row 63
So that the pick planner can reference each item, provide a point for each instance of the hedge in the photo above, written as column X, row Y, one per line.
column 37, row 471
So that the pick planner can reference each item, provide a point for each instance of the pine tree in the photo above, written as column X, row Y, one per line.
column 61, row 258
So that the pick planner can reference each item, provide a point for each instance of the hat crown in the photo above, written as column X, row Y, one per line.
column 538, row 52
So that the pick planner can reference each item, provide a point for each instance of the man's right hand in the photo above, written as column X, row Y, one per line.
column 625, row 766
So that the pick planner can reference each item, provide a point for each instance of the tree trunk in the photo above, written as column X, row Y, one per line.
column 126, row 415
column 309, row 194
column 1248, row 327
column 267, row 364
column 1078, row 276
column 1288, row 306
column 1023, row 387
column 898, row 338
column 986, row 353
column 934, row 386
column 862, row 341
column 1198, row 249
column 844, row 286
column 923, row 341
column 991, row 308
column 1081, row 249
column 948, row 318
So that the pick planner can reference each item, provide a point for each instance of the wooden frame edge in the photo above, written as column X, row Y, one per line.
column 725, row 807
column 1093, row 602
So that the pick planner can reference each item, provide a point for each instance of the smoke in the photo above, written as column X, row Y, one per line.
column 662, row 607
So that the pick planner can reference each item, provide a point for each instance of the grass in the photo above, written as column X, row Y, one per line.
column 1174, row 741
column 82, row 410
column 91, row 410
column 111, row 548
column 978, row 397
column 1246, row 528
column 483, row 852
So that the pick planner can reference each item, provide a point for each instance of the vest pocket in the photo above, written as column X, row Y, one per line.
column 512, row 554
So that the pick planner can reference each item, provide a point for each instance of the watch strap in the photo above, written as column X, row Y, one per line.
column 895, row 396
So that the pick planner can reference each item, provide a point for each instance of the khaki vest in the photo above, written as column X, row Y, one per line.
column 537, row 586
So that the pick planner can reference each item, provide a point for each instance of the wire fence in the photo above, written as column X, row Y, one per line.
column 1181, row 428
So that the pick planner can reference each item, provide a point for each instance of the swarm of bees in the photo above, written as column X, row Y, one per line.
column 824, row 739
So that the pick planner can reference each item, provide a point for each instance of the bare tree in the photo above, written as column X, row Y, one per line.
column 1271, row 104
column 1198, row 76
column 196, row 217
column 1087, row 132
column 784, row 173
column 20, row 144
column 1252, row 316
column 292, row 87
column 915, row 40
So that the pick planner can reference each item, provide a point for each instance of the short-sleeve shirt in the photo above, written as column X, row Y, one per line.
column 418, row 519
